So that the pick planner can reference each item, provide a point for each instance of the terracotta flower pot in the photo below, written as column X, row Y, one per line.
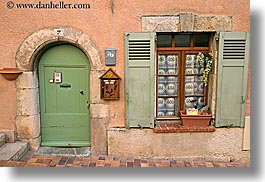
column 195, row 120
column 10, row 73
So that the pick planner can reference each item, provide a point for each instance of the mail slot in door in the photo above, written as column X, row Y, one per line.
column 65, row 85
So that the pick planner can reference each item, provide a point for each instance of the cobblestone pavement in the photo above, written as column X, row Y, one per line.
column 35, row 160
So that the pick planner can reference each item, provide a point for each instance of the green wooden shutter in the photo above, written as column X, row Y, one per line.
column 140, row 79
column 232, row 78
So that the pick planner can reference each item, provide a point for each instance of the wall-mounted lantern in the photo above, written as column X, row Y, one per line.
column 10, row 73
column 110, row 85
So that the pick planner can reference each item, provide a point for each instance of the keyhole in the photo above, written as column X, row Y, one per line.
column 81, row 92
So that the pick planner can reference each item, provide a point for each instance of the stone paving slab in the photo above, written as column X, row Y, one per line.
column 35, row 160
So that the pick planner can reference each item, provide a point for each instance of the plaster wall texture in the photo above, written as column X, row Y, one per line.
column 222, row 145
column 7, row 104
column 105, row 22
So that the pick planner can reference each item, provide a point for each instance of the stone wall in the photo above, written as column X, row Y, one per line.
column 222, row 145
column 186, row 22
column 28, row 116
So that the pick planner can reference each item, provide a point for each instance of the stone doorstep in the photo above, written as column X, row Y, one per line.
column 14, row 151
column 9, row 135
column 67, row 151
column 2, row 139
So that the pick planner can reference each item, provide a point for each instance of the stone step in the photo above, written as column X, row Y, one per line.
column 2, row 139
column 14, row 151
column 79, row 151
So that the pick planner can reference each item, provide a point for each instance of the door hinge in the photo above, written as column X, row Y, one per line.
column 53, row 126
column 243, row 100
column 88, row 105
column 127, row 97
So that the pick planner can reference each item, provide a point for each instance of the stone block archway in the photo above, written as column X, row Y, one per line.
column 27, row 57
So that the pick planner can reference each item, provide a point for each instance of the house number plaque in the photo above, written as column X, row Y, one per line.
column 110, row 56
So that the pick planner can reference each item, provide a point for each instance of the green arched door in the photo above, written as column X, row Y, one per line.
column 64, row 97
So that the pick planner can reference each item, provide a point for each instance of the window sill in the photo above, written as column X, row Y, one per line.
column 177, row 128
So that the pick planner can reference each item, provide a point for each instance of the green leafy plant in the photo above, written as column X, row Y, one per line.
column 205, row 60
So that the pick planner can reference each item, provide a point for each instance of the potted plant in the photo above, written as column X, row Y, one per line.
column 205, row 59
column 195, row 117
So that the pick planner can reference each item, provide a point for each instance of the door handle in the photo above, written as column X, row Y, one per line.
column 81, row 92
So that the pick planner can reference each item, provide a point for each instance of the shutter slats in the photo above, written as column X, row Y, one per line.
column 139, row 50
column 234, row 49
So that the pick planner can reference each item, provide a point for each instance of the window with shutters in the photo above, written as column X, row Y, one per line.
column 179, row 80
column 163, row 77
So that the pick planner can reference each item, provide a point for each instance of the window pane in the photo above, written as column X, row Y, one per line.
column 194, row 102
column 167, row 85
column 194, row 87
column 182, row 40
column 201, row 40
column 164, row 41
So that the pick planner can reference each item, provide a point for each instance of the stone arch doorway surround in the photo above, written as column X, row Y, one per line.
column 27, row 57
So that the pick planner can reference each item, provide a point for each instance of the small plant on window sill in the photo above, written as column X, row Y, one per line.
column 205, row 59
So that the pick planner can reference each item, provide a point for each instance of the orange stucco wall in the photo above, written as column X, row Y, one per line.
column 105, row 22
